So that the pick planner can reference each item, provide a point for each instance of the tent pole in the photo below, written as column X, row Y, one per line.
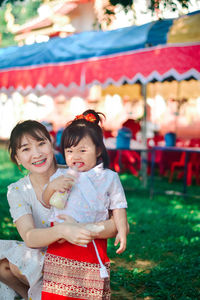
column 144, row 138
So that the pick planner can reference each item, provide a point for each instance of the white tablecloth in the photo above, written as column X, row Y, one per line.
column 110, row 143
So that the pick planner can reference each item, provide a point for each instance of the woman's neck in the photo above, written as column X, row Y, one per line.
column 42, row 179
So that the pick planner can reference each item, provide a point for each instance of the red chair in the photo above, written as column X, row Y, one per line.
column 126, row 160
column 193, row 168
column 194, row 143
column 133, row 125
column 107, row 133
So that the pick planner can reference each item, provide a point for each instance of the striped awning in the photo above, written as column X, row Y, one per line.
column 155, row 51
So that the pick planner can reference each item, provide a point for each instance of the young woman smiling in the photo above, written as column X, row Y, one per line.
column 21, row 262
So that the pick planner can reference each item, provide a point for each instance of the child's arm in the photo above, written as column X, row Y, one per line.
column 120, row 219
column 60, row 184
column 109, row 230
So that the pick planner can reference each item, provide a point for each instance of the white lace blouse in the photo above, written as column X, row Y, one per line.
column 95, row 193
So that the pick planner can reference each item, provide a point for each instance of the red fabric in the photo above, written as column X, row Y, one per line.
column 87, row 254
column 47, row 296
column 70, row 255
column 162, row 59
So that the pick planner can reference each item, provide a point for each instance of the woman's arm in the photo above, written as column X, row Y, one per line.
column 42, row 237
column 109, row 231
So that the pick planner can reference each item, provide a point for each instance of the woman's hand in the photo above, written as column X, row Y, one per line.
column 67, row 219
column 74, row 232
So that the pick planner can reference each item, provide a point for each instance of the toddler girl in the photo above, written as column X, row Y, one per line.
column 71, row 271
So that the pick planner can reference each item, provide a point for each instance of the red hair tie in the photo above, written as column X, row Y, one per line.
column 89, row 118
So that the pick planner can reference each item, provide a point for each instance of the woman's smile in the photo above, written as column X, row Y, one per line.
column 40, row 163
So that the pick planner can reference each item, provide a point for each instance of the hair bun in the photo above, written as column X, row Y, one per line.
column 94, row 116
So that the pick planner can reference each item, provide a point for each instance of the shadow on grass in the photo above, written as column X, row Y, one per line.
column 162, row 256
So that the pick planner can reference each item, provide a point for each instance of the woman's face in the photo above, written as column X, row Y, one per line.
column 35, row 156
column 83, row 156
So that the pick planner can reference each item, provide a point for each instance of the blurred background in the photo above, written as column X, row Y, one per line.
column 138, row 62
column 170, row 104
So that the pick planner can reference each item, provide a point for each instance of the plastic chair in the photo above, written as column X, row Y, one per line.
column 133, row 125
column 107, row 133
column 193, row 168
column 194, row 143
column 127, row 160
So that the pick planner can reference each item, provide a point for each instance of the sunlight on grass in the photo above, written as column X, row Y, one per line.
column 162, row 258
column 165, row 233
column 196, row 227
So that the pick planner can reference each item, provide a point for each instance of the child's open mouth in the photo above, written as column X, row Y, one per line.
column 79, row 164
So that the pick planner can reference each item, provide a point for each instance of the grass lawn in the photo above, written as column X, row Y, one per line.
column 162, row 260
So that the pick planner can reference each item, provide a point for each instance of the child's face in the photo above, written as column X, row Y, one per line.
column 84, row 155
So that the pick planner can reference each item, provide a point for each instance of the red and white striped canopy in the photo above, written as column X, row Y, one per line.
column 133, row 54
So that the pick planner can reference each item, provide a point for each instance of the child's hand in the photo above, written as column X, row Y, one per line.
column 120, row 238
column 62, row 183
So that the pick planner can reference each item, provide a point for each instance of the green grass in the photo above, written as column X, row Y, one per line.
column 162, row 259
column 8, row 174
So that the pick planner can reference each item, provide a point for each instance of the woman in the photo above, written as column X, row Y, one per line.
column 21, row 263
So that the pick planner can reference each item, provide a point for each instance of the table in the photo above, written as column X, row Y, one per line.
column 110, row 144
column 135, row 146
column 187, row 150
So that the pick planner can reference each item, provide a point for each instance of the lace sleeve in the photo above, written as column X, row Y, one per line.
column 18, row 202
column 116, row 194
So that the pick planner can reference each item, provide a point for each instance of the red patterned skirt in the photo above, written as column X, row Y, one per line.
column 73, row 272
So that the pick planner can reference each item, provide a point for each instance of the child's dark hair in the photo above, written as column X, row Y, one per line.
column 83, row 125
column 30, row 127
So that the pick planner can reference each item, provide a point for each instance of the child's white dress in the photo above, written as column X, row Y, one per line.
column 95, row 193
column 77, row 272
column 22, row 200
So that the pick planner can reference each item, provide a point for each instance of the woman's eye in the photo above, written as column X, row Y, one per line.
column 83, row 150
column 42, row 143
column 25, row 149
